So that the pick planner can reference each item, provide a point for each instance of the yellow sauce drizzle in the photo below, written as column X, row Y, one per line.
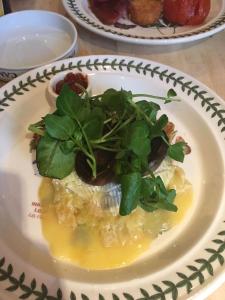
column 83, row 245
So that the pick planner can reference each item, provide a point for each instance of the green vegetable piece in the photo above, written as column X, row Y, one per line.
column 67, row 146
column 59, row 127
column 131, row 189
column 166, row 202
column 138, row 138
column 149, row 108
column 84, row 114
column 136, row 164
column 171, row 93
column 120, row 166
column 77, row 135
column 121, row 154
column 155, row 195
column 176, row 151
column 111, row 121
column 94, row 125
column 116, row 101
column 93, row 128
column 157, row 128
column 51, row 160
column 148, row 199
column 37, row 127
column 69, row 103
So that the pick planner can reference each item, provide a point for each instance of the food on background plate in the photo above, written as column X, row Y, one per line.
column 186, row 12
column 144, row 12
column 148, row 12
column 110, row 179
column 108, row 12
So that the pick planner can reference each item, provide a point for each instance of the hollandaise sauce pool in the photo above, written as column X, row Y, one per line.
column 80, row 232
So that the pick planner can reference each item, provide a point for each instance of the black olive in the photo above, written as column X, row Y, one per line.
column 158, row 152
column 104, row 161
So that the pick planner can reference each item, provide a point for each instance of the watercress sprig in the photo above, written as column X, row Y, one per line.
column 114, row 122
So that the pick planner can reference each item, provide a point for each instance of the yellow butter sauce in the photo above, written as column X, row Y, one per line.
column 83, row 245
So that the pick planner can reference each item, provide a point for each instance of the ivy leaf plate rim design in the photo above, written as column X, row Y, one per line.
column 186, row 263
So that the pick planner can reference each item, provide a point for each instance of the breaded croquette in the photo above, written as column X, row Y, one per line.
column 144, row 12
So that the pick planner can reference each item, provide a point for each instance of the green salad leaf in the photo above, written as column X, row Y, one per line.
column 112, row 122
column 59, row 127
column 138, row 138
column 131, row 191
column 155, row 195
column 51, row 160
column 176, row 151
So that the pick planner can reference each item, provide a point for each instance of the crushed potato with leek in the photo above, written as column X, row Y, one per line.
column 84, row 228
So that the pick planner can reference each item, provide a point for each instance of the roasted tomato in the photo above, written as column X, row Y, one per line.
column 75, row 81
column 186, row 12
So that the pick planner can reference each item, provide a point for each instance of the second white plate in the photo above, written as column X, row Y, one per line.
column 157, row 35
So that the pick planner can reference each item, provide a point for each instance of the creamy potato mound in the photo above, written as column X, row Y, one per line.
column 79, row 204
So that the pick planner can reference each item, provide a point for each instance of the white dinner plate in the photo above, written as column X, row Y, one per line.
column 187, row 261
column 160, row 34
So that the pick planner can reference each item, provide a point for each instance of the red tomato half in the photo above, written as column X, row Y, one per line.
column 186, row 12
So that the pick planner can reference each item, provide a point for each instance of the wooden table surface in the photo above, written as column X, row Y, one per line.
column 204, row 60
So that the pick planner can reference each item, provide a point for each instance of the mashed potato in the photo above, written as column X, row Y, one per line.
column 77, row 203
column 82, row 225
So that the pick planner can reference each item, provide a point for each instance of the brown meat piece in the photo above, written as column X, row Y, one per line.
column 144, row 12
column 108, row 11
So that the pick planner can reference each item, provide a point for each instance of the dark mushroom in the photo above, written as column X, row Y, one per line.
column 104, row 161
column 158, row 152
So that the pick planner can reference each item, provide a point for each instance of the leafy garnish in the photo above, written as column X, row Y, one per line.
column 110, row 122
column 51, row 160
column 155, row 195
column 176, row 151
column 59, row 127
column 131, row 191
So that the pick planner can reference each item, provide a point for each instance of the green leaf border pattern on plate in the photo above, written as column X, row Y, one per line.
column 140, row 68
column 198, row 271
column 202, row 268
column 72, row 4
